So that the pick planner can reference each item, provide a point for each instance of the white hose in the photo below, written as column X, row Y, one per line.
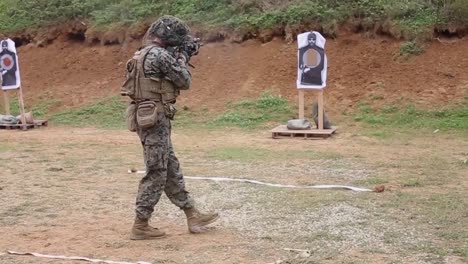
column 219, row 179
column 73, row 258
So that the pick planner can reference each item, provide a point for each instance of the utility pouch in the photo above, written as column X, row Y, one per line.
column 170, row 111
column 147, row 114
column 130, row 117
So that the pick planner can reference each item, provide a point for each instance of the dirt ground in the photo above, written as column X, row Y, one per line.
column 66, row 191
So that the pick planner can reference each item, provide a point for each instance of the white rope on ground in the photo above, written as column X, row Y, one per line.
column 73, row 258
column 220, row 179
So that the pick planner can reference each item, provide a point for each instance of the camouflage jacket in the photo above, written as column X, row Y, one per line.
column 160, row 63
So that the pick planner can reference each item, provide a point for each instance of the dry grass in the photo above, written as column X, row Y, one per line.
column 66, row 191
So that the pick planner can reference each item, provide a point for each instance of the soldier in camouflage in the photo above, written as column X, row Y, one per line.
column 167, row 74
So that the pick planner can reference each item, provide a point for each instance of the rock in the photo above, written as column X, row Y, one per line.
column 305, row 254
column 379, row 189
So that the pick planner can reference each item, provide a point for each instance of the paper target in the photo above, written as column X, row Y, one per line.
column 312, row 61
column 9, row 67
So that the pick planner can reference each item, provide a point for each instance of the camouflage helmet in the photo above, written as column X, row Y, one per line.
column 171, row 30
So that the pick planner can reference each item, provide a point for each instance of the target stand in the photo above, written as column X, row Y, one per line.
column 311, row 76
column 10, row 80
column 313, row 133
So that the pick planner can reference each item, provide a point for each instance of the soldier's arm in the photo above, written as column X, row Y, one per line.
column 175, row 70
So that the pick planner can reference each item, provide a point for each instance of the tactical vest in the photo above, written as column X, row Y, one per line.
column 138, row 87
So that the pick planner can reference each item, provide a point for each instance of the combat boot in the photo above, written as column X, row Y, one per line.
column 196, row 220
column 141, row 230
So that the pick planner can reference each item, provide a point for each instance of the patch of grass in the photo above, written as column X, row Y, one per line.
column 373, row 181
column 380, row 134
column 106, row 113
column 410, row 117
column 462, row 251
column 326, row 236
column 419, row 23
column 412, row 183
column 389, row 109
column 5, row 147
column 376, row 97
column 246, row 120
column 371, row 119
column 17, row 210
column 254, row 113
column 40, row 109
column 441, row 214
column 244, row 154
column 188, row 119
column 410, row 48
column 14, row 106
column 391, row 238
column 431, row 249
column 411, row 16
column 240, row 154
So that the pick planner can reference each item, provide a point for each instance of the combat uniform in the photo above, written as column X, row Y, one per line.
column 155, row 77
column 163, row 168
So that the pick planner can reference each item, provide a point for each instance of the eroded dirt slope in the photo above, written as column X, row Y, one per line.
column 359, row 68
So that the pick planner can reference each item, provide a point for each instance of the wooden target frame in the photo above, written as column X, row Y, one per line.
column 316, row 132
column 6, row 102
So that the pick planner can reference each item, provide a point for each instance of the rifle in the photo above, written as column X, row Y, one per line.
column 190, row 47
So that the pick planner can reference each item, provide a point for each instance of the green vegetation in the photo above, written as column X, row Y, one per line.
column 245, row 154
column 4, row 147
column 39, row 110
column 410, row 48
column 373, row 181
column 447, row 118
column 107, row 113
column 240, row 154
column 253, row 113
column 412, row 183
column 256, row 113
column 412, row 17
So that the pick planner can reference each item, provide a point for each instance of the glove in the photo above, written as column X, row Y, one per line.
column 182, row 58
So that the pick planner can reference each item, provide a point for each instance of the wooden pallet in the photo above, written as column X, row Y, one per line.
column 283, row 132
column 37, row 124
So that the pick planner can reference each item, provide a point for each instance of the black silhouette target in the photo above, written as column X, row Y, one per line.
column 312, row 63
column 9, row 65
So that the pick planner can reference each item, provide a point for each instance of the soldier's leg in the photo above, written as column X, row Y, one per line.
column 175, row 184
column 155, row 148
column 175, row 191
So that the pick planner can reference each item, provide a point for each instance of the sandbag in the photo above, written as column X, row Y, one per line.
column 28, row 117
column 8, row 120
column 299, row 124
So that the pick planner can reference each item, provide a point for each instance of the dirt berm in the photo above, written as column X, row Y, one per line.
column 360, row 68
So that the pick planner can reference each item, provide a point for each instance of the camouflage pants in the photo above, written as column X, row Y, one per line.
column 162, row 170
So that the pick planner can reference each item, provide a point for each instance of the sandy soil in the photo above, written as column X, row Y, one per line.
column 67, row 191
